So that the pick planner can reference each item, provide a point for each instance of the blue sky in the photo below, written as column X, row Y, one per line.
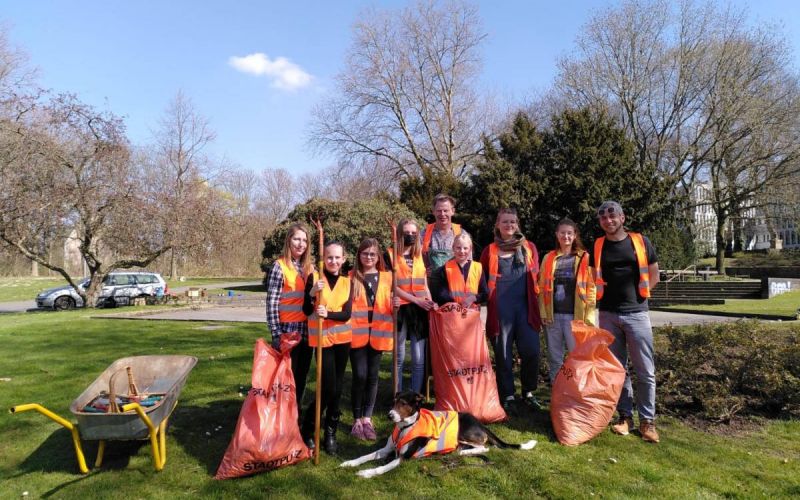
column 132, row 57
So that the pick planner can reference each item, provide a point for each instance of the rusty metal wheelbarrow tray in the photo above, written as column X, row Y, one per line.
column 158, row 374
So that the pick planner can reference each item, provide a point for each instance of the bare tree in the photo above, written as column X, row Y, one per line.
column 406, row 95
column 704, row 97
column 181, row 139
column 66, row 169
column 753, row 141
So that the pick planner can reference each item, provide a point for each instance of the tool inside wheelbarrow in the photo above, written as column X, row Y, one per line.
column 267, row 436
column 463, row 376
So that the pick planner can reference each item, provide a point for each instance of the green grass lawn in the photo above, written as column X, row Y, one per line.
column 51, row 358
column 25, row 288
column 785, row 304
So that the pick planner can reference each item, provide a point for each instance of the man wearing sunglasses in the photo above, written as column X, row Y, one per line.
column 626, row 269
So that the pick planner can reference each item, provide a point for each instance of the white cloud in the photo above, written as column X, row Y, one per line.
column 283, row 73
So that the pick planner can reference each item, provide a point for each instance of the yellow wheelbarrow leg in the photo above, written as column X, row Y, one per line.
column 153, row 432
column 76, row 439
column 101, row 448
column 162, row 435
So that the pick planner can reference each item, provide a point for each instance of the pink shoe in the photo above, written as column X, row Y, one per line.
column 368, row 431
column 358, row 429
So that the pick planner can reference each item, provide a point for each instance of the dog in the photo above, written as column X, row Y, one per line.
column 419, row 432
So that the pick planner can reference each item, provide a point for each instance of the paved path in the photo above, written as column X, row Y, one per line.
column 258, row 315
column 25, row 305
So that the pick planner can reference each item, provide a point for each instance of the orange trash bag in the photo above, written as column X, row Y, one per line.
column 463, row 377
column 267, row 436
column 587, row 388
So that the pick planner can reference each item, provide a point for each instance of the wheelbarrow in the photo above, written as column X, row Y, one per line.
column 161, row 379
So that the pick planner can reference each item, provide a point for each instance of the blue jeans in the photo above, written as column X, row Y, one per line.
column 418, row 347
column 633, row 336
column 516, row 330
column 559, row 335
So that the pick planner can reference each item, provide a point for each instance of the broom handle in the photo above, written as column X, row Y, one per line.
column 318, row 405
column 395, row 347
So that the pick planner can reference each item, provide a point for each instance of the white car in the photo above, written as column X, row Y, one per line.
column 118, row 287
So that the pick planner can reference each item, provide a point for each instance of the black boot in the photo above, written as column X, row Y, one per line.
column 331, row 424
column 307, row 429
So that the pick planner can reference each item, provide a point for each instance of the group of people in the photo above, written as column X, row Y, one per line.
column 433, row 265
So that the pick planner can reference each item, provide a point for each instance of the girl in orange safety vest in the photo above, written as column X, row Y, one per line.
column 330, row 297
column 372, row 333
column 567, row 292
column 285, row 284
column 414, row 301
column 461, row 279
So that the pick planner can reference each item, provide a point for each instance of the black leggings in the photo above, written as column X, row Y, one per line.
column 334, row 361
column 365, row 362
column 301, row 360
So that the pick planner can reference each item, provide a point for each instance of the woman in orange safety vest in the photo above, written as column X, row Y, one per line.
column 329, row 296
column 372, row 333
column 461, row 279
column 285, row 284
column 511, row 265
column 413, row 299
column 566, row 292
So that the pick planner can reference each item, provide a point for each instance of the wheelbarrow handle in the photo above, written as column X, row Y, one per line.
column 76, row 438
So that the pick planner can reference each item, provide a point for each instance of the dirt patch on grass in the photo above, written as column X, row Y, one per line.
column 735, row 427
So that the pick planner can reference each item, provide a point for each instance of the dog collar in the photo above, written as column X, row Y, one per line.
column 410, row 423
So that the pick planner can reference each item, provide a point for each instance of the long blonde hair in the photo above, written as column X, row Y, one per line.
column 306, row 264
column 358, row 270
column 416, row 249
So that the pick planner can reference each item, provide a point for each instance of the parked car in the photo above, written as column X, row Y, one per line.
column 118, row 287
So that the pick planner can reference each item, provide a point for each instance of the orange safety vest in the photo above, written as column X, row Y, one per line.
column 426, row 242
column 455, row 280
column 379, row 333
column 440, row 426
column 641, row 260
column 290, row 308
column 494, row 266
column 411, row 280
column 333, row 332
column 548, row 276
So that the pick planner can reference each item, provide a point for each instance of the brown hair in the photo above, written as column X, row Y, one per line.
column 416, row 249
column 441, row 197
column 578, row 243
column 358, row 270
column 506, row 210
column 305, row 260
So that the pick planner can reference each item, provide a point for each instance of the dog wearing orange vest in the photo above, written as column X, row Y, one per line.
column 419, row 433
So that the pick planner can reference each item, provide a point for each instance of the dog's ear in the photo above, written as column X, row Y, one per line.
column 419, row 398
column 396, row 395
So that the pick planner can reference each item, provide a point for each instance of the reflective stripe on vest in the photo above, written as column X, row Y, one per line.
column 410, row 280
column 426, row 242
column 290, row 307
column 640, row 250
column 378, row 334
column 441, row 427
column 333, row 332
column 549, row 272
column 494, row 265
column 455, row 280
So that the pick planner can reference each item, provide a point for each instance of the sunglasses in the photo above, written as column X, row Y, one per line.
column 369, row 254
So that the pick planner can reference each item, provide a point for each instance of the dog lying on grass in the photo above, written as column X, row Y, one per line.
column 419, row 433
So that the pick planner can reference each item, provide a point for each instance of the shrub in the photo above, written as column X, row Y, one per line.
column 716, row 371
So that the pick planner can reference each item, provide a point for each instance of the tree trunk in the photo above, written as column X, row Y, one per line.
column 34, row 269
column 721, row 244
column 173, row 265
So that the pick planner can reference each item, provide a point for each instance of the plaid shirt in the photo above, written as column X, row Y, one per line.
column 274, row 291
